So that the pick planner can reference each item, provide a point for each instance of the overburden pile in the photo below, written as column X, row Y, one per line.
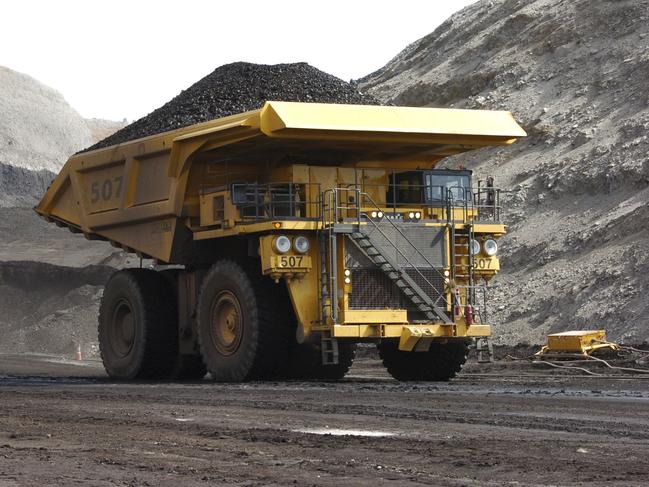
column 236, row 88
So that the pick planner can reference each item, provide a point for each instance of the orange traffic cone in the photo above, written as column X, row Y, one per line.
column 78, row 354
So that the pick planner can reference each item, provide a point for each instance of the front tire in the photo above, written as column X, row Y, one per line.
column 439, row 364
column 238, row 331
column 305, row 362
column 137, row 325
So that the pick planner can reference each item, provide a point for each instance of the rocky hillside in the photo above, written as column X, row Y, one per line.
column 574, row 73
column 38, row 132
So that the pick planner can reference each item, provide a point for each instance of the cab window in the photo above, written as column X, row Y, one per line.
column 440, row 185
column 429, row 187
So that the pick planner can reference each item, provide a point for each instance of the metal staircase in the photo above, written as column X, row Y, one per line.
column 342, row 214
column 401, row 279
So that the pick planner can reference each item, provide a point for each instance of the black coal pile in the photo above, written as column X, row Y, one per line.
column 236, row 88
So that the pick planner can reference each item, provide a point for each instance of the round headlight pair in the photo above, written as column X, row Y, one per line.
column 376, row 214
column 414, row 215
column 282, row 244
column 489, row 246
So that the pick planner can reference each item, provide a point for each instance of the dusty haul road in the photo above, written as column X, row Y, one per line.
column 64, row 423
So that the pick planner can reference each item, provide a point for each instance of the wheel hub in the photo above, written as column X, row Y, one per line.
column 122, row 333
column 226, row 330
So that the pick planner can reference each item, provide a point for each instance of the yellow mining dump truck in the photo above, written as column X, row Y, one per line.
column 284, row 236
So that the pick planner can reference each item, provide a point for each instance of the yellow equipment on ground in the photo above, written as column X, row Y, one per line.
column 582, row 342
column 285, row 235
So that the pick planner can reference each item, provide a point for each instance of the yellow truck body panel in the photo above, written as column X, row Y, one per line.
column 134, row 194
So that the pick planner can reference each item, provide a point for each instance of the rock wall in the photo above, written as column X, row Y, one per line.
column 574, row 73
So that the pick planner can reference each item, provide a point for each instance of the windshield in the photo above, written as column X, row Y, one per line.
column 429, row 187
column 454, row 184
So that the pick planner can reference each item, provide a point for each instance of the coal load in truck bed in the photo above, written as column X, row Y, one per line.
column 236, row 88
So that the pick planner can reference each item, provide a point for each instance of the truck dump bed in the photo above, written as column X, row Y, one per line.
column 142, row 195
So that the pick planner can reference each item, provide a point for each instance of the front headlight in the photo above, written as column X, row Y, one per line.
column 490, row 247
column 301, row 244
column 474, row 247
column 282, row 244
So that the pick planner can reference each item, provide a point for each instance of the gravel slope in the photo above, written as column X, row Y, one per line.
column 575, row 74
column 39, row 130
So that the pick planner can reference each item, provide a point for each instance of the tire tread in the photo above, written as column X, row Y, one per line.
column 439, row 364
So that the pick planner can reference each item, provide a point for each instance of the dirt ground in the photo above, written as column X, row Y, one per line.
column 63, row 423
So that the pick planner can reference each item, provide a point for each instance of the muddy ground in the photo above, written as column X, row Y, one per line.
column 63, row 423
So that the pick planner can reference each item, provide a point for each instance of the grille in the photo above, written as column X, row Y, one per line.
column 372, row 289
column 430, row 281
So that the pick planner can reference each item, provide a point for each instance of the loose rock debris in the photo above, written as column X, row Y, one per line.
column 236, row 88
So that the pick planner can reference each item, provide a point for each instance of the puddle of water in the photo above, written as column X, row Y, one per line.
column 343, row 432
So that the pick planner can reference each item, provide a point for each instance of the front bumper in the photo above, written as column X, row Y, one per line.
column 412, row 337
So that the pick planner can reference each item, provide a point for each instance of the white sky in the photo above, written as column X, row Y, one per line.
column 119, row 59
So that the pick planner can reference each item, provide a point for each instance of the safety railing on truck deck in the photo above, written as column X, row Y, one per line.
column 268, row 201
column 288, row 200
column 340, row 205
column 481, row 203
column 486, row 200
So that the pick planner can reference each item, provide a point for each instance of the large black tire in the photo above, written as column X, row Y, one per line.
column 138, row 337
column 240, row 331
column 305, row 362
column 440, row 363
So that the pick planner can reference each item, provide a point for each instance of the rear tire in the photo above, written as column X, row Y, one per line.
column 240, row 335
column 440, row 363
column 137, row 325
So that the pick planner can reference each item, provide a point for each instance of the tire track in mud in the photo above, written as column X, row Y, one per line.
column 517, row 410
